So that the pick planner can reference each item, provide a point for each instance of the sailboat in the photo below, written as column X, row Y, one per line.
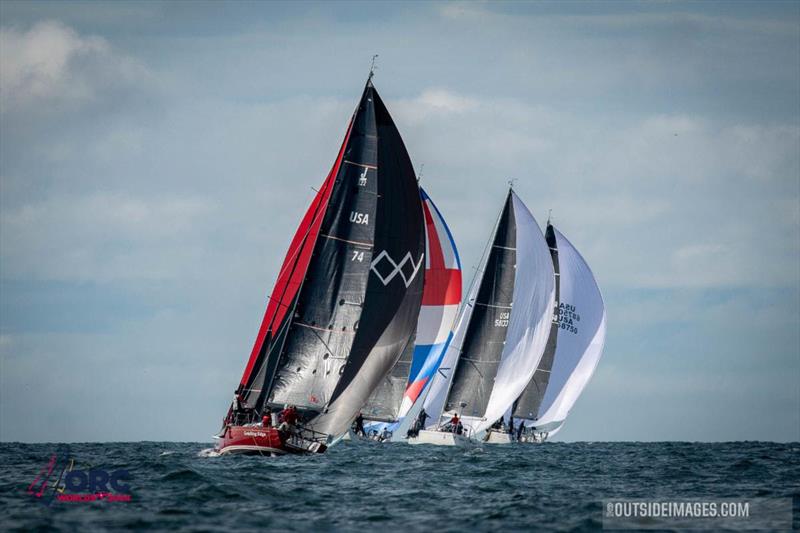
column 577, row 336
column 396, row 397
column 501, row 333
column 346, row 301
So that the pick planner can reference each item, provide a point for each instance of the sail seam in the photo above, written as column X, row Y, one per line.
column 495, row 306
column 362, row 165
column 324, row 329
column 357, row 243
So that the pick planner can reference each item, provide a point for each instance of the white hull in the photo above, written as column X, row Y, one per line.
column 439, row 438
column 497, row 437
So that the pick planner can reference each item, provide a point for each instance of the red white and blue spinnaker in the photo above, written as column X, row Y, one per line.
column 441, row 297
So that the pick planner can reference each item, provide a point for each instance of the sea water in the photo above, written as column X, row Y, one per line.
column 391, row 487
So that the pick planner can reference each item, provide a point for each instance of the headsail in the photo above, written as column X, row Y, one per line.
column 581, row 334
column 347, row 300
column 441, row 296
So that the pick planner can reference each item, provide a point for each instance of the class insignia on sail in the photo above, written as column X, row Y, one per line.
column 346, row 301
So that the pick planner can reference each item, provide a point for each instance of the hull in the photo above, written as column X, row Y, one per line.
column 498, row 437
column 271, row 442
column 439, row 438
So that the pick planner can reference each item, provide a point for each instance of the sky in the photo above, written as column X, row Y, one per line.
column 156, row 158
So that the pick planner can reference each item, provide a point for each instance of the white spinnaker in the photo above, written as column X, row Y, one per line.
column 531, row 316
column 580, row 344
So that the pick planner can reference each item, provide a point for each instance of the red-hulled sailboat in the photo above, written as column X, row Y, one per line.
column 346, row 301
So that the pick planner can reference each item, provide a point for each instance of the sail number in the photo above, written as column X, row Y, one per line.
column 359, row 218
column 502, row 322
column 568, row 317
column 357, row 256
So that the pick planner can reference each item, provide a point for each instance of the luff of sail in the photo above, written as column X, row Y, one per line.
column 348, row 296
column 581, row 334
column 394, row 397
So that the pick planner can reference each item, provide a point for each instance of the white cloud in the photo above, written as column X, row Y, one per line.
column 653, row 200
column 52, row 64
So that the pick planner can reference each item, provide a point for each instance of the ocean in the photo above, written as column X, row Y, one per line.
column 391, row 487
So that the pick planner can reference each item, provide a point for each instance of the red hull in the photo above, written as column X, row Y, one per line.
column 257, row 440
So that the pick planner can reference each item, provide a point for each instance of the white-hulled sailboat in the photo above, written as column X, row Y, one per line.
column 501, row 333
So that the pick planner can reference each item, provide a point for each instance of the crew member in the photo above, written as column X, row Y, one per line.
column 455, row 422
column 289, row 418
column 360, row 425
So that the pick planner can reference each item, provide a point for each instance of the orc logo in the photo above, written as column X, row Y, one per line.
column 60, row 480
column 396, row 268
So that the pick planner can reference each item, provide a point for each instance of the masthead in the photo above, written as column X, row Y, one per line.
column 372, row 68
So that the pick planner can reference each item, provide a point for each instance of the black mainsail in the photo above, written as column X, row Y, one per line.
column 485, row 335
column 349, row 293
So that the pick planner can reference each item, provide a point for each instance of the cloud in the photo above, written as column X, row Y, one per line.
column 52, row 65
column 691, row 194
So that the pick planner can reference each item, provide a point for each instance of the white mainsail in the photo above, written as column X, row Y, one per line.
column 581, row 334
column 531, row 315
